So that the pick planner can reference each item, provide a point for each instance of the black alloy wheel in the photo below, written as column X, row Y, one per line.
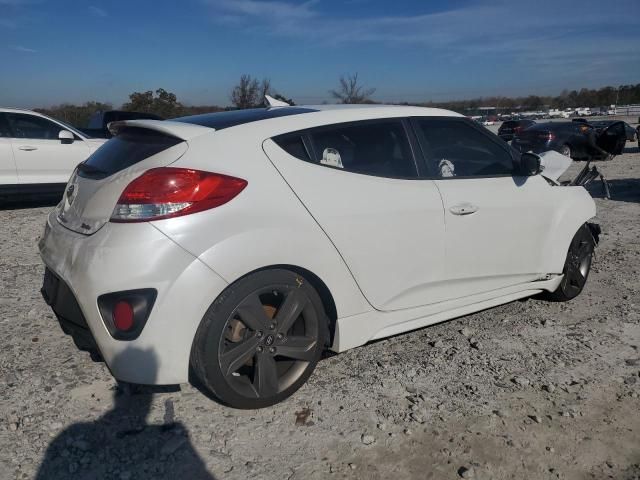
column 261, row 340
column 576, row 267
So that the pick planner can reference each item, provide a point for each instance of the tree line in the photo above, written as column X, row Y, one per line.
column 585, row 97
column 250, row 92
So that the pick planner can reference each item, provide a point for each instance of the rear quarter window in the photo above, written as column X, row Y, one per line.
column 294, row 146
column 129, row 147
column 373, row 147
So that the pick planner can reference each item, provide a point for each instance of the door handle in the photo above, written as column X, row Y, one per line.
column 27, row 148
column 463, row 209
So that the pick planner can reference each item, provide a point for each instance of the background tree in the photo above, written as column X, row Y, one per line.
column 532, row 102
column 77, row 115
column 163, row 103
column 350, row 91
column 250, row 92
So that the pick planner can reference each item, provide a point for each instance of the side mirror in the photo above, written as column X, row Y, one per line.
column 530, row 164
column 66, row 136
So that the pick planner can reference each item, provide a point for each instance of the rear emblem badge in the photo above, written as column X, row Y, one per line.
column 71, row 193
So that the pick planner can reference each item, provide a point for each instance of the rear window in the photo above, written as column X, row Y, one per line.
column 510, row 124
column 129, row 147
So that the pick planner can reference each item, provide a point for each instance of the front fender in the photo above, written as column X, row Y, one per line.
column 574, row 208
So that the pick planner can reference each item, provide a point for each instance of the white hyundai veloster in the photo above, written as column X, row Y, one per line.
column 231, row 249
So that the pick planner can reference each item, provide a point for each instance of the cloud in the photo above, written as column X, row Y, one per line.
column 270, row 10
column 20, row 48
column 503, row 26
column 96, row 11
column 546, row 33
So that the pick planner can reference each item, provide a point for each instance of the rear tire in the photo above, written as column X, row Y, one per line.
column 260, row 340
column 576, row 267
column 565, row 150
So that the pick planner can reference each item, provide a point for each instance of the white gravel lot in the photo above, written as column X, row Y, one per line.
column 526, row 390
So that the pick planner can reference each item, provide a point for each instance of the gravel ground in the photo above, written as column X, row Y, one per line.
column 526, row 390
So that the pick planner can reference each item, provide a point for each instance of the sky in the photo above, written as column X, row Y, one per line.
column 54, row 51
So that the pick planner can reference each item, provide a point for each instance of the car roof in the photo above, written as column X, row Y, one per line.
column 231, row 118
column 18, row 110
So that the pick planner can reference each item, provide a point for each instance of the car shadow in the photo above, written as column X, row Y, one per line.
column 622, row 189
column 22, row 204
column 122, row 443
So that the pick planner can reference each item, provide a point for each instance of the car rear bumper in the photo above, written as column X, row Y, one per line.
column 60, row 298
column 126, row 257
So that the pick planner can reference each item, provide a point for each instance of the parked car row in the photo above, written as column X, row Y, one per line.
column 631, row 132
column 510, row 128
column 577, row 140
column 38, row 153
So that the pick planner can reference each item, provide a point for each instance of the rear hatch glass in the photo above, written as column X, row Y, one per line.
column 126, row 149
column 96, row 185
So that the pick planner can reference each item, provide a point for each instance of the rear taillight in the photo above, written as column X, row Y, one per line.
column 172, row 192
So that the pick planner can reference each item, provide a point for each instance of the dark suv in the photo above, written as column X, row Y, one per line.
column 572, row 139
column 510, row 128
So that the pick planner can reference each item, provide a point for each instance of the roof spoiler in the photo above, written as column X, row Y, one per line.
column 181, row 130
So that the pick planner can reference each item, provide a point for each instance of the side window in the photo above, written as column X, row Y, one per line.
column 5, row 131
column 372, row 148
column 30, row 126
column 456, row 149
column 294, row 146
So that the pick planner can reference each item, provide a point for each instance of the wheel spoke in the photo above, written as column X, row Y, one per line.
column 577, row 278
column 290, row 310
column 265, row 380
column 237, row 356
column 298, row 348
column 251, row 312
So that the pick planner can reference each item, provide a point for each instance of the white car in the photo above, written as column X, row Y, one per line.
column 231, row 249
column 38, row 153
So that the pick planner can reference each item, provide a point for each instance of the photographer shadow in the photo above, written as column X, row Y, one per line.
column 121, row 444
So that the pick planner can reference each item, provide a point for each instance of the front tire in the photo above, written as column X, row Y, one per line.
column 576, row 267
column 260, row 340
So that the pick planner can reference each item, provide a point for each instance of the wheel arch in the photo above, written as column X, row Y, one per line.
column 577, row 209
column 320, row 286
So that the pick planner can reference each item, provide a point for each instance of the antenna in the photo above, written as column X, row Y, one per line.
column 272, row 102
